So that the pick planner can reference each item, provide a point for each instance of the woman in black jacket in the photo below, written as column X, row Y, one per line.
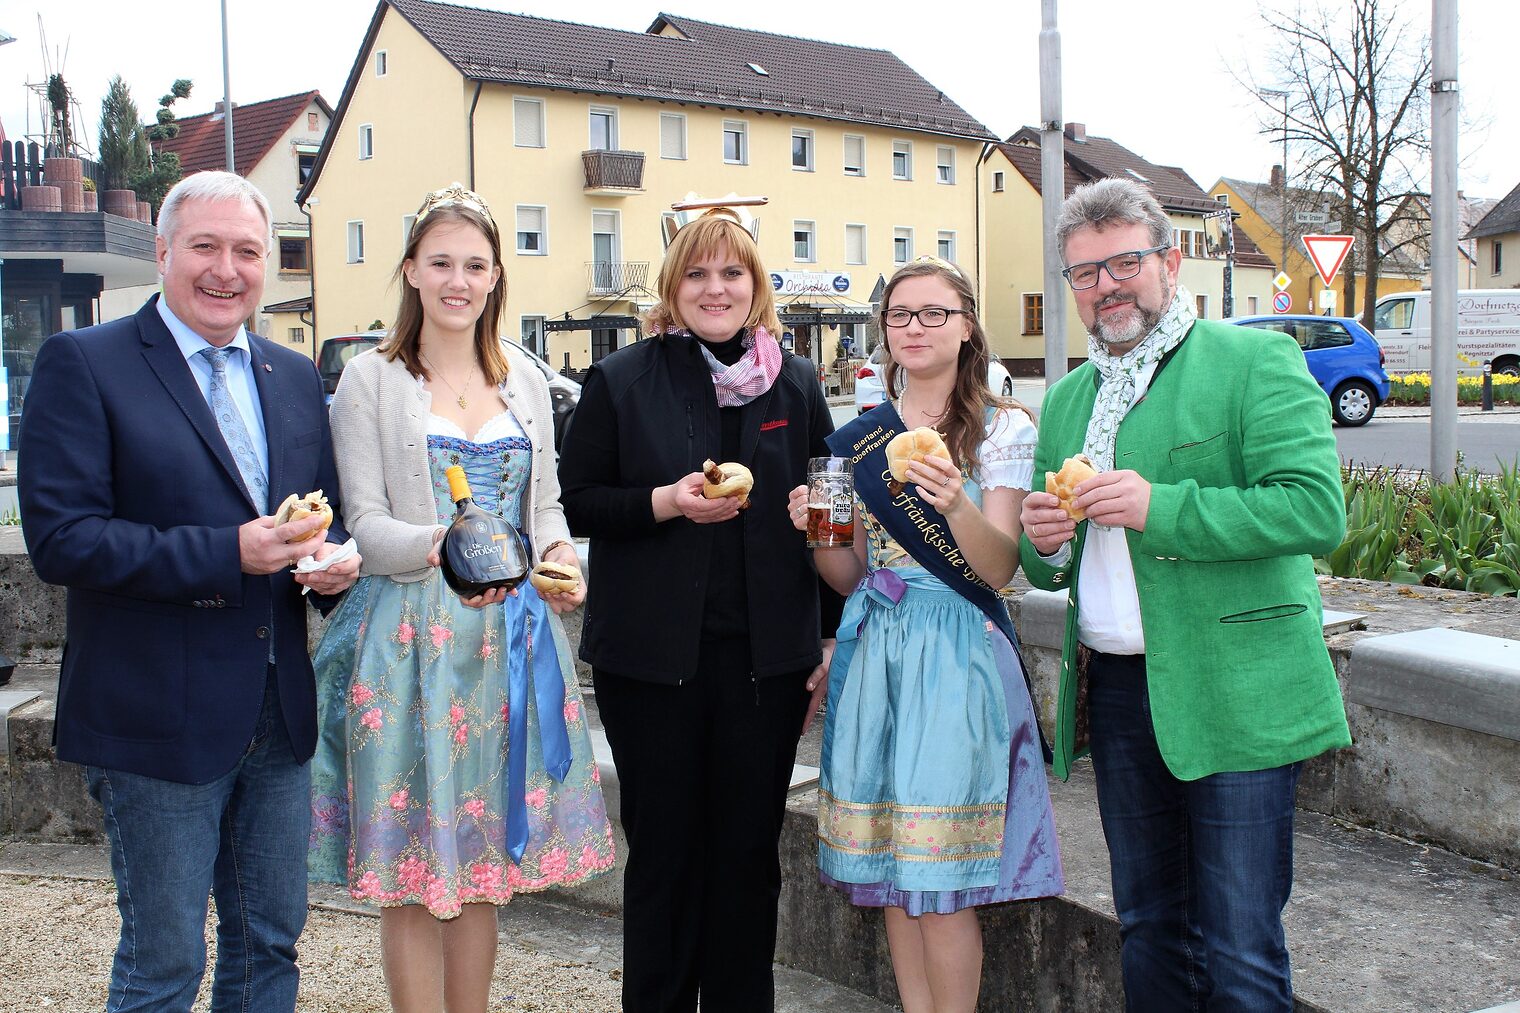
column 702, row 627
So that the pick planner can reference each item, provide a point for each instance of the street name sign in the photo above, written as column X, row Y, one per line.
column 1328, row 253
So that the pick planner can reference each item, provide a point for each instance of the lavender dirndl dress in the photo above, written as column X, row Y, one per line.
column 932, row 790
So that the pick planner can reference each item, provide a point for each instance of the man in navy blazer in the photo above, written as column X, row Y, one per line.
column 153, row 450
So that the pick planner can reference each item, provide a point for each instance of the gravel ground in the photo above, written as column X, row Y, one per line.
column 57, row 936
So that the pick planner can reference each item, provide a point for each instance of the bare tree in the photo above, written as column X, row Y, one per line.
column 1358, row 80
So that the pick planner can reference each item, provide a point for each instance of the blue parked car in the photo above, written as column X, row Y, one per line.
column 1343, row 357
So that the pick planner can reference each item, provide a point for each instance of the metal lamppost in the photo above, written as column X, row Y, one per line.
column 1284, row 95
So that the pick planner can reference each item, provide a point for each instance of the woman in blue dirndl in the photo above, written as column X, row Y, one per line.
column 454, row 766
column 933, row 793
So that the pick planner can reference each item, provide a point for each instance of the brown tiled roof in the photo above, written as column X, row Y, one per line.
column 1502, row 217
column 1267, row 201
column 701, row 62
column 255, row 128
column 1097, row 158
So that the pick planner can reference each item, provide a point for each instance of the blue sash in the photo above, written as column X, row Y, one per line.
column 533, row 666
column 920, row 529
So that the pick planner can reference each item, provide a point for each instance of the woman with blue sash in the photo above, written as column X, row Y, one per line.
column 454, row 766
column 933, row 794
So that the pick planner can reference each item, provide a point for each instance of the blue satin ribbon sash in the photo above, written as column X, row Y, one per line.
column 533, row 667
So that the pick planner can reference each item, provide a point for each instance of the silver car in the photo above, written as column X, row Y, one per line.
column 870, row 381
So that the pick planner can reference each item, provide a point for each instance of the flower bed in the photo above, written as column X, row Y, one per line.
column 1414, row 389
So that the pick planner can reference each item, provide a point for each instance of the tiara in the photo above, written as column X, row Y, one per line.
column 454, row 195
column 929, row 258
column 733, row 207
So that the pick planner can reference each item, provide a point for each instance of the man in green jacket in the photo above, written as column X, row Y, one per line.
column 1194, row 659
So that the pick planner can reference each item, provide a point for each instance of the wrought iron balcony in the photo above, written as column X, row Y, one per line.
column 613, row 173
column 607, row 277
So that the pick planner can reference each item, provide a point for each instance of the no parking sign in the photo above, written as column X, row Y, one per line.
column 1282, row 302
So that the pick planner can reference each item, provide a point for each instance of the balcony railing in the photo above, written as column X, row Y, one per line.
column 610, row 276
column 614, row 171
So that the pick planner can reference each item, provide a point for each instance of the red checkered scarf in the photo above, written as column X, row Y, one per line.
column 752, row 375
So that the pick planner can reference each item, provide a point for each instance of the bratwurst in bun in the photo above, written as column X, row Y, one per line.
column 298, row 508
column 1062, row 484
column 727, row 479
column 914, row 445
column 550, row 578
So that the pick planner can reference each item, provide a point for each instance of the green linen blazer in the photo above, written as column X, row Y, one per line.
column 1234, row 436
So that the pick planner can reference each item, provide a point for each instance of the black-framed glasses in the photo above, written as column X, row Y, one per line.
column 929, row 316
column 1120, row 267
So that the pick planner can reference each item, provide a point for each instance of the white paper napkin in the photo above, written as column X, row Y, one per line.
column 309, row 564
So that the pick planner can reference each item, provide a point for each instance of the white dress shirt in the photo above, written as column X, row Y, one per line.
column 1108, row 604
column 240, row 384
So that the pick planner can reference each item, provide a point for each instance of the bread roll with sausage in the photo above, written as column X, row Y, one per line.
column 727, row 479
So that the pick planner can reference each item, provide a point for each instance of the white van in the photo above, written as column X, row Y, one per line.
column 1488, row 328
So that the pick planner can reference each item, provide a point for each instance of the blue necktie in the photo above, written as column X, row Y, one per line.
column 230, row 421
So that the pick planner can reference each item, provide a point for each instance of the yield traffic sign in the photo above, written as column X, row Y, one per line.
column 1328, row 254
column 1282, row 302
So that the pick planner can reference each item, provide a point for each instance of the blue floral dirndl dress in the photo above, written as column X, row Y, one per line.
column 932, row 787
column 409, row 783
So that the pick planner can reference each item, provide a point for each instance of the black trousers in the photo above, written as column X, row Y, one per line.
column 703, row 769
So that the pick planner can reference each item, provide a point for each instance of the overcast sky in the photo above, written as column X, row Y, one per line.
column 1155, row 77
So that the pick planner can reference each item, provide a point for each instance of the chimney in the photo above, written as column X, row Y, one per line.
column 1076, row 132
column 1277, row 177
column 219, row 109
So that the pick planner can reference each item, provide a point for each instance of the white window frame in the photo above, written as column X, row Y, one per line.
column 811, row 228
column 740, row 127
column 677, row 118
column 811, row 149
column 944, row 236
column 543, row 230
column 380, row 62
column 904, row 148
column 366, row 141
column 904, row 233
column 543, row 334
column 944, row 170
column 407, row 221
column 1201, row 304
column 855, row 170
column 864, row 234
column 295, row 335
column 997, row 181
column 518, row 102
column 611, row 112
column 355, row 234
column 616, row 234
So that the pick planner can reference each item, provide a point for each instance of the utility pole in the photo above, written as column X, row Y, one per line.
column 1052, row 191
column 1443, row 239
column 227, row 94
column 1282, row 263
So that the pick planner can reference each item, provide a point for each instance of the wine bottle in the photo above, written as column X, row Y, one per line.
column 480, row 550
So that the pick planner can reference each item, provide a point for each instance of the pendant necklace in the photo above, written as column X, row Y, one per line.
column 459, row 398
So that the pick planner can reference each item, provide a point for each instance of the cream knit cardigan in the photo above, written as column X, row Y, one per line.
column 379, row 434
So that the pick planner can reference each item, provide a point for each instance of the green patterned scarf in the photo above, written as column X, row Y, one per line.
column 1116, row 396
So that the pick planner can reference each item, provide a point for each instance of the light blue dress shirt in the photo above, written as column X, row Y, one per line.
column 240, row 384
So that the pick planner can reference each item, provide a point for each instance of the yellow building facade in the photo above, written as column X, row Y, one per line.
column 1254, row 215
column 577, row 177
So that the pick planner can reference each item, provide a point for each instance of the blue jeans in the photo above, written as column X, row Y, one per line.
column 1201, row 869
column 241, row 839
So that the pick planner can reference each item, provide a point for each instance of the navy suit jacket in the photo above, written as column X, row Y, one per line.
column 131, row 500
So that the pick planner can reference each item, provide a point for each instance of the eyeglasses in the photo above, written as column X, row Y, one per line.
column 929, row 316
column 1120, row 267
